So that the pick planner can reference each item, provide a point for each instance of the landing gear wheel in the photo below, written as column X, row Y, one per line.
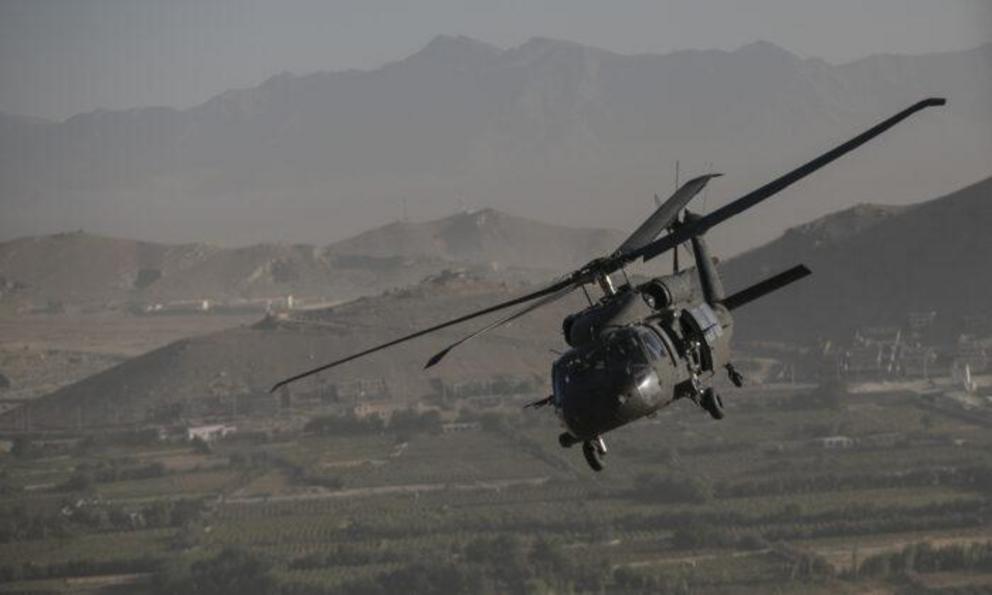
column 712, row 403
column 567, row 440
column 594, row 451
column 736, row 377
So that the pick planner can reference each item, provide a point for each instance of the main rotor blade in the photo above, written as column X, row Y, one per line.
column 665, row 214
column 551, row 289
column 437, row 357
column 763, row 288
column 746, row 202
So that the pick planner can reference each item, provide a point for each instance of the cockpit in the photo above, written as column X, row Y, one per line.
column 620, row 370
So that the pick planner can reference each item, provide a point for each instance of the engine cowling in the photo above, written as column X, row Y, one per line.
column 619, row 310
column 664, row 292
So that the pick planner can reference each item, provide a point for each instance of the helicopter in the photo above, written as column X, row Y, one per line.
column 637, row 349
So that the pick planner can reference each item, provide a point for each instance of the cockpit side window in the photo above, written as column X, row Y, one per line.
column 655, row 348
column 625, row 349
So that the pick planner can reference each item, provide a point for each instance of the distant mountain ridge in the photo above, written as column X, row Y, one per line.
column 550, row 129
column 84, row 268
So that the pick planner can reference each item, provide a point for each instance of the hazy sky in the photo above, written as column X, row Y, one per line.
column 61, row 57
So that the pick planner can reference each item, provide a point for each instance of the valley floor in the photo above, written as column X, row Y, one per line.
column 749, row 504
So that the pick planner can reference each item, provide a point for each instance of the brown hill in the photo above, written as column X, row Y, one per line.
column 873, row 265
column 485, row 237
column 247, row 361
column 82, row 268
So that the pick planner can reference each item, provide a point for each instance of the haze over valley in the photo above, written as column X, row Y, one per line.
column 171, row 271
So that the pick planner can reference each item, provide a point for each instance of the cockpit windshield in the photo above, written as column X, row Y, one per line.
column 653, row 344
column 620, row 358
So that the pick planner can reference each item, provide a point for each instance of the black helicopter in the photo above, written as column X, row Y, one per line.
column 639, row 348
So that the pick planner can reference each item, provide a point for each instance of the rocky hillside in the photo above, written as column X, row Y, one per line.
column 247, row 361
column 80, row 268
column 872, row 266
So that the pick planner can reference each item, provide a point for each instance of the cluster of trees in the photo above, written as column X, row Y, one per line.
column 85, row 476
column 116, row 470
column 870, row 520
column 347, row 424
column 257, row 458
column 924, row 558
column 489, row 565
column 978, row 477
column 830, row 394
column 233, row 571
column 407, row 421
column 17, row 523
column 26, row 448
column 343, row 556
column 501, row 564
column 251, row 459
column 791, row 522
column 672, row 488
column 700, row 535
column 141, row 437
column 35, row 571
column 410, row 421
column 173, row 513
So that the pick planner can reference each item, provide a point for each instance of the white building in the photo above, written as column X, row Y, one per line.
column 208, row 433
column 835, row 442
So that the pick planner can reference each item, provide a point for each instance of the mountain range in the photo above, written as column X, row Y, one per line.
column 550, row 129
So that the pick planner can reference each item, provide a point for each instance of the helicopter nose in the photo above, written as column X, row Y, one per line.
column 649, row 388
column 588, row 412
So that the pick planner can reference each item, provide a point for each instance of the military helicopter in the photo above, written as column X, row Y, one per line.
column 640, row 348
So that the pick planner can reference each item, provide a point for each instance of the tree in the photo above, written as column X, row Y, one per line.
column 234, row 571
column 200, row 446
column 831, row 394
column 23, row 448
column 80, row 481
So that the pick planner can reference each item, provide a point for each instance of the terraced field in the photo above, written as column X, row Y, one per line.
column 767, row 508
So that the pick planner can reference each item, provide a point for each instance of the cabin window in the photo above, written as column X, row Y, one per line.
column 655, row 348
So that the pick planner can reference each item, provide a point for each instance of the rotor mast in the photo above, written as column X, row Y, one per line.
column 606, row 284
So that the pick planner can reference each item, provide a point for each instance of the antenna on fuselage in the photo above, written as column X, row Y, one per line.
column 675, row 252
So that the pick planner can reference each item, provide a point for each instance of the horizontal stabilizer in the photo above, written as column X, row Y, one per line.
column 765, row 287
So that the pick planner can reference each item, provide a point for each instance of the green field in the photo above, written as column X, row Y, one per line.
column 748, row 504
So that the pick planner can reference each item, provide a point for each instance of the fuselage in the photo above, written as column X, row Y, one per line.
column 634, row 362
